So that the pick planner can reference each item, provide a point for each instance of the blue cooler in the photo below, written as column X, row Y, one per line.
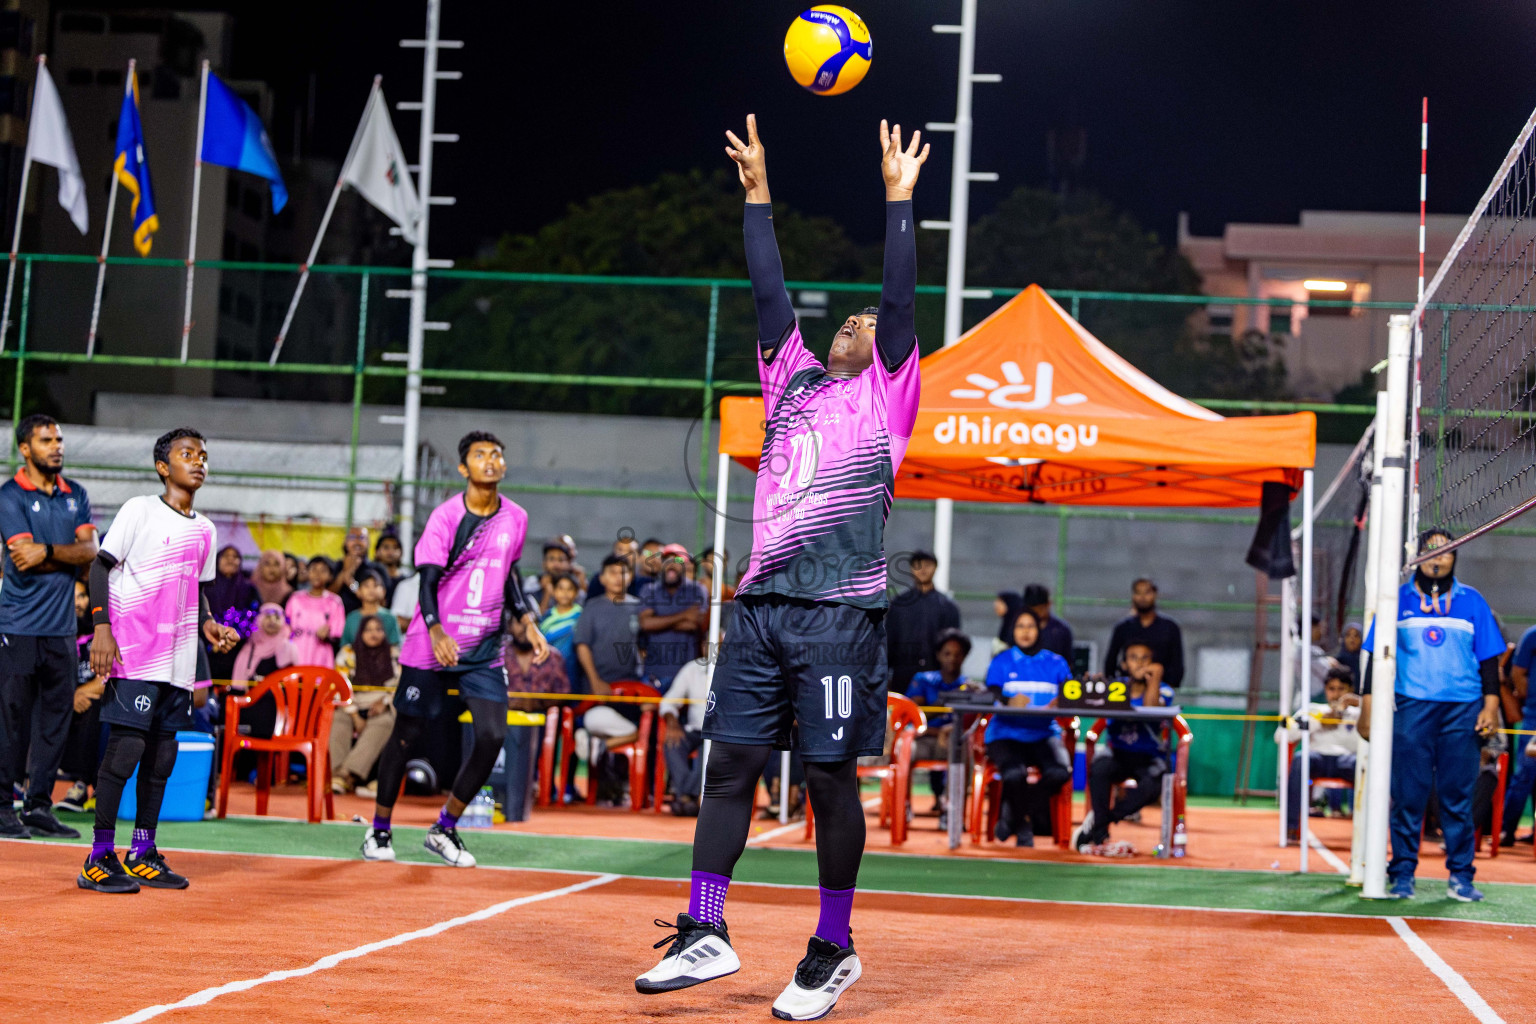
column 187, row 789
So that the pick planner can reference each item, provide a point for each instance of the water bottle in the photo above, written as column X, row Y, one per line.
column 479, row 812
column 1180, row 837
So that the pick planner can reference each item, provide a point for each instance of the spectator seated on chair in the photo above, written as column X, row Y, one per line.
column 1493, row 746
column 559, row 622
column 370, row 592
column 682, row 737
column 1333, row 743
column 1132, row 751
column 1027, row 675
column 607, row 651
column 936, row 688
column 524, row 676
column 360, row 729
column 269, row 648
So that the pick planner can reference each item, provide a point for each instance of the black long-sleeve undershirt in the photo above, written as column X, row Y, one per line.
column 775, row 313
column 514, row 599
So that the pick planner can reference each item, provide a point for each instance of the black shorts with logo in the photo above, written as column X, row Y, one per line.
column 422, row 691
column 814, row 664
column 147, row 705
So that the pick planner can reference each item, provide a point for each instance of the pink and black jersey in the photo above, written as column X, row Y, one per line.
column 152, row 591
column 827, row 475
column 477, row 554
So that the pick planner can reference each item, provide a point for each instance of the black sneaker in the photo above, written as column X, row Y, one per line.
column 106, row 874
column 698, row 953
column 11, row 826
column 824, row 974
column 152, row 870
column 75, row 799
column 41, row 822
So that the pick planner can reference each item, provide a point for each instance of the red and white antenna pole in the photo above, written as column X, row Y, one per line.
column 1423, row 186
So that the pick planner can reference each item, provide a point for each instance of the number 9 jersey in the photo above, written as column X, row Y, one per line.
column 478, row 554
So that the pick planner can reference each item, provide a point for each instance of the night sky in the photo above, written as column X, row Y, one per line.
column 1234, row 112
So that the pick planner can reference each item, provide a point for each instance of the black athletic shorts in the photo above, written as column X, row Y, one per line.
column 814, row 664
column 421, row 691
column 47, row 661
column 147, row 705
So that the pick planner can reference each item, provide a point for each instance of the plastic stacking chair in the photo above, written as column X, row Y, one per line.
column 554, row 755
column 1178, row 739
column 637, row 749
column 307, row 697
column 905, row 722
column 1498, row 811
column 986, row 796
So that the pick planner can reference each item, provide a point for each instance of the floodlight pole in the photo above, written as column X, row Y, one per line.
column 420, row 263
column 960, row 180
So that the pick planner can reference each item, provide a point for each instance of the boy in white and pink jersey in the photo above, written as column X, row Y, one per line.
column 467, row 560
column 150, row 618
column 807, row 645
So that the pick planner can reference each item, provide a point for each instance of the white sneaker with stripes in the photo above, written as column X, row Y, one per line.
column 698, row 953
column 826, row 973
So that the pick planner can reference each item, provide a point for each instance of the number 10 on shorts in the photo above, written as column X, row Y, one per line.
column 844, row 695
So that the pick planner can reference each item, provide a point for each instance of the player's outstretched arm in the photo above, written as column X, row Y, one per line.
column 895, row 333
column 775, row 314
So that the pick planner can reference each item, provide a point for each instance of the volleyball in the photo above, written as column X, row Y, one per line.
column 827, row 49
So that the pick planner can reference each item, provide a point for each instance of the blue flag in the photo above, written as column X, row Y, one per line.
column 132, row 168
column 233, row 136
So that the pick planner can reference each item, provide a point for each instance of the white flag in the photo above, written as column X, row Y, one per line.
column 49, row 142
column 376, row 167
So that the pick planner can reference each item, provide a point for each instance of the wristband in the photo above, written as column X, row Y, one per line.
column 50, row 550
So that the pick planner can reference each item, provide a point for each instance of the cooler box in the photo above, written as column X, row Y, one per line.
column 187, row 789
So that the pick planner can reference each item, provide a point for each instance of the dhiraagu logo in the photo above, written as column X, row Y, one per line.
column 1013, row 392
column 1010, row 392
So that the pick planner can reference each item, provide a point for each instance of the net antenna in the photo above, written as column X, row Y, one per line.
column 1472, row 456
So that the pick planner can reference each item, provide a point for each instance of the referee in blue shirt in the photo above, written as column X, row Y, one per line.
column 1447, row 695
column 45, row 521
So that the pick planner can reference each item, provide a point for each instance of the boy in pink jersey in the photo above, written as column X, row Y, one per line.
column 467, row 558
column 808, row 642
column 149, row 612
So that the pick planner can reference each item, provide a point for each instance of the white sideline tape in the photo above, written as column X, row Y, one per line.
column 1331, row 858
column 207, row 995
column 1442, row 970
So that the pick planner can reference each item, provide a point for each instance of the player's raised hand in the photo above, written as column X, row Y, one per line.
column 899, row 167
column 751, row 162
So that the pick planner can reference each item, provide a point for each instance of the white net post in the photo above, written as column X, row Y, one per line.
column 1386, row 570
column 1372, row 553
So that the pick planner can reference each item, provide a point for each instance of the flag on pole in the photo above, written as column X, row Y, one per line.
column 49, row 142
column 233, row 136
column 376, row 168
column 132, row 168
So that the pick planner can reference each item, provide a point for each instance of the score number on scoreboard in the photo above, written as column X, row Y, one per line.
column 1094, row 693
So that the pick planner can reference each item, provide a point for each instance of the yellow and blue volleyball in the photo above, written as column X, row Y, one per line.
column 827, row 49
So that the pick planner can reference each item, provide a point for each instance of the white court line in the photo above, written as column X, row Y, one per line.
column 1442, row 970
column 207, row 995
column 774, row 833
column 1328, row 855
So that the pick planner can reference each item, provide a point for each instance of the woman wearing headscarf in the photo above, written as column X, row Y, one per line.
column 268, row 649
column 360, row 729
column 232, row 601
column 271, row 578
column 1027, row 675
column 1006, row 606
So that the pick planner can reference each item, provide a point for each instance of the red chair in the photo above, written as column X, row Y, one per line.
column 1178, row 751
column 906, row 721
column 554, row 755
column 637, row 749
column 1498, row 811
column 985, row 801
column 307, row 697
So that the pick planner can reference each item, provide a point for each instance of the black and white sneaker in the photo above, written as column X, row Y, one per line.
column 445, row 842
column 41, row 822
column 698, row 953
column 378, row 845
column 1082, row 836
column 75, row 799
column 824, row 974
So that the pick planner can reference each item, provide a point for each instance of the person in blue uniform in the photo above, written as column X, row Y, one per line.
column 1447, row 695
column 1027, row 675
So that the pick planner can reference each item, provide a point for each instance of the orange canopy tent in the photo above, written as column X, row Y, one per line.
column 1029, row 406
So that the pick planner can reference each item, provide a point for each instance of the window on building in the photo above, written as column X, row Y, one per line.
column 137, row 24
column 79, row 76
column 79, row 21
column 1218, row 318
column 250, row 204
column 110, row 76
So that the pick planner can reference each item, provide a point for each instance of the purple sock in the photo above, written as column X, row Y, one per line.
column 446, row 820
column 836, row 908
column 380, row 824
column 102, row 840
column 143, row 842
column 706, row 897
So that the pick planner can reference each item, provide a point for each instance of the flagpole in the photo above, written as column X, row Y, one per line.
column 106, row 234
column 197, row 186
column 325, row 221
column 21, row 205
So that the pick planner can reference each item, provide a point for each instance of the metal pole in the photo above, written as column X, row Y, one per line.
column 1305, row 673
column 1372, row 553
column 411, row 434
column 21, row 353
column 707, row 416
column 717, row 580
column 1287, row 690
column 954, row 279
column 21, row 206
column 1388, row 565
column 357, row 396
column 197, row 186
column 106, row 233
